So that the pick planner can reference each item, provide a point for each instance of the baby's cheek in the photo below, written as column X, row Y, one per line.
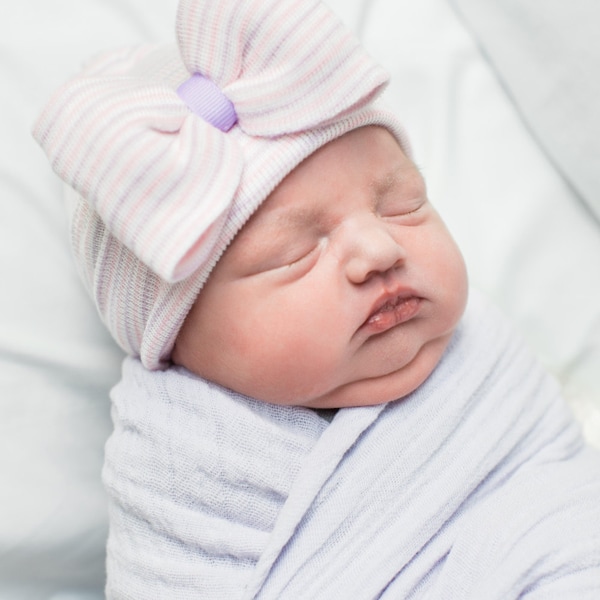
column 458, row 288
column 292, row 372
column 316, row 369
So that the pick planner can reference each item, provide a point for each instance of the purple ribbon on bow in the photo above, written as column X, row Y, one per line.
column 206, row 100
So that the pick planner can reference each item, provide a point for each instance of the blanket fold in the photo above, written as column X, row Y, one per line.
column 477, row 485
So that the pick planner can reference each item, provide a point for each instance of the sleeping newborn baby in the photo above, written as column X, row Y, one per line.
column 255, row 235
column 343, row 289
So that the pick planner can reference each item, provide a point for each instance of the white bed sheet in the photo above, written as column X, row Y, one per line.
column 527, row 241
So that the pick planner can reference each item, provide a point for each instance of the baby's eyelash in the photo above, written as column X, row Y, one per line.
column 414, row 210
column 403, row 212
column 301, row 258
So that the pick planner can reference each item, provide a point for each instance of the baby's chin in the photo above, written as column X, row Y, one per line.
column 311, row 390
column 384, row 388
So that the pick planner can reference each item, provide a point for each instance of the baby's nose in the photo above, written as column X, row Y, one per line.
column 371, row 249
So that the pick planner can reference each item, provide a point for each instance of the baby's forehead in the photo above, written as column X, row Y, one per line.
column 361, row 163
column 374, row 166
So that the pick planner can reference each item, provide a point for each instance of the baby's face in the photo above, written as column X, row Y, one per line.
column 342, row 290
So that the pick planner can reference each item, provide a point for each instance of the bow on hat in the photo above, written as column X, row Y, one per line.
column 158, row 165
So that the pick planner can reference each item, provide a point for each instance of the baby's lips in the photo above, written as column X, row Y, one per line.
column 394, row 313
column 391, row 308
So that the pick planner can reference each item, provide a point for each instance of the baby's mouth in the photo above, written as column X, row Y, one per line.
column 393, row 312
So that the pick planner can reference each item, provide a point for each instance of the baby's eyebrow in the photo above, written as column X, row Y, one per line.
column 384, row 184
column 300, row 219
column 397, row 180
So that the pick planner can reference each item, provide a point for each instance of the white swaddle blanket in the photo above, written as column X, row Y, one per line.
column 477, row 485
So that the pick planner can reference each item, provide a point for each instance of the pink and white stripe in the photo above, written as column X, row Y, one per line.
column 163, row 192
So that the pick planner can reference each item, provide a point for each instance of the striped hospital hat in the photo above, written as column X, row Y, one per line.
column 167, row 151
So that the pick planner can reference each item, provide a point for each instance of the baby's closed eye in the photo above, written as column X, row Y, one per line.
column 405, row 211
column 299, row 259
column 297, row 256
column 401, row 198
